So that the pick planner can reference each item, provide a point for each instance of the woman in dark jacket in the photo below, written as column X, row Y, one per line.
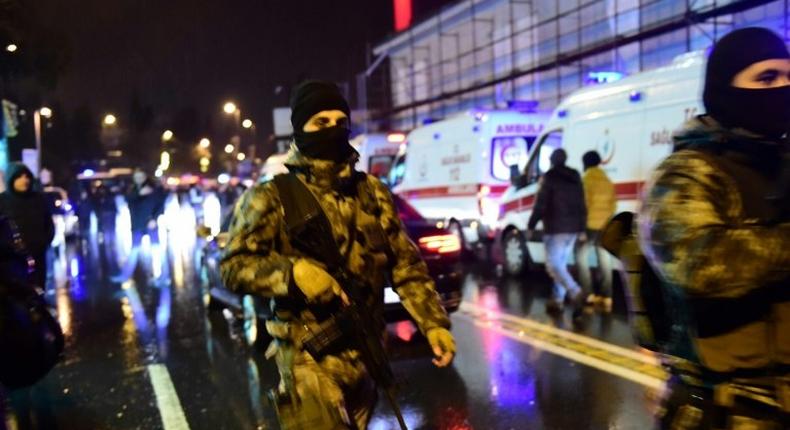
column 29, row 210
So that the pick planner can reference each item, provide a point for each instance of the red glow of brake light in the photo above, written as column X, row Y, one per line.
column 402, row 14
column 443, row 244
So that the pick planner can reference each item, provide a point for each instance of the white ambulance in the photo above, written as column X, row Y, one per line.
column 377, row 152
column 455, row 171
column 629, row 122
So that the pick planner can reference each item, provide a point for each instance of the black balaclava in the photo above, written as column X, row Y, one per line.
column 762, row 111
column 330, row 143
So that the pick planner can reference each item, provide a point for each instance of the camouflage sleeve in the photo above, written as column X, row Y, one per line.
column 409, row 272
column 687, row 231
column 251, row 262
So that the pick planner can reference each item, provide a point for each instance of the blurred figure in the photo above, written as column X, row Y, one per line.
column 31, row 213
column 196, row 198
column 715, row 226
column 560, row 205
column 601, row 201
column 104, row 205
column 146, row 202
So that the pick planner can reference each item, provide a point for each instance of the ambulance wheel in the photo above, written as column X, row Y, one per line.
column 516, row 254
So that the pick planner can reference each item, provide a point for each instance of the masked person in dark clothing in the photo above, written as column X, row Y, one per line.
column 31, row 213
column 714, row 225
column 263, row 257
column 146, row 202
column 560, row 205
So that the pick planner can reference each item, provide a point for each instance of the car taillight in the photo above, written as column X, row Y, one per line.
column 442, row 244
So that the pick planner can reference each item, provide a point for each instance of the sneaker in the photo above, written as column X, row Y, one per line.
column 606, row 304
column 578, row 300
column 593, row 300
column 553, row 307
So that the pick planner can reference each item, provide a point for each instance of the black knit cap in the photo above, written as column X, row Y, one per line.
column 733, row 53
column 311, row 97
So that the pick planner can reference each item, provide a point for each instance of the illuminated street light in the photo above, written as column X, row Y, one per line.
column 229, row 148
column 205, row 143
column 110, row 119
column 167, row 135
column 247, row 123
column 229, row 108
column 164, row 161
column 204, row 161
column 240, row 156
column 11, row 47
column 45, row 112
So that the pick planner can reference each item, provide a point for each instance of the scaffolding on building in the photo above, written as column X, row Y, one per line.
column 482, row 53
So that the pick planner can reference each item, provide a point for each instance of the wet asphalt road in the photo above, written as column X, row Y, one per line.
column 122, row 339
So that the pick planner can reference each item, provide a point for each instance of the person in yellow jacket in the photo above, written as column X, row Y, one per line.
column 600, row 198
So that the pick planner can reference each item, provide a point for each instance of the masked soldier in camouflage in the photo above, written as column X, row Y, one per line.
column 715, row 226
column 260, row 259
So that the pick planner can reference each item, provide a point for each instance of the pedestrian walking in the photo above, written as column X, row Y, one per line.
column 601, row 202
column 560, row 205
column 30, row 211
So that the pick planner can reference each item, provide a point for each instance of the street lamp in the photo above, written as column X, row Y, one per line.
column 204, row 142
column 247, row 123
column 11, row 47
column 110, row 119
column 167, row 135
column 240, row 156
column 230, row 108
column 46, row 113
column 229, row 148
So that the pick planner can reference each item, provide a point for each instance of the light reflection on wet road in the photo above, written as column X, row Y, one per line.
column 115, row 333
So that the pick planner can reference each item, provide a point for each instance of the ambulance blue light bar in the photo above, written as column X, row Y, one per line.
column 603, row 77
column 523, row 105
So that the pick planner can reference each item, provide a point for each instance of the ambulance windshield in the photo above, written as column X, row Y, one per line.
column 540, row 163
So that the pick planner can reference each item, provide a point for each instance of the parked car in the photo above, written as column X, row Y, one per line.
column 440, row 248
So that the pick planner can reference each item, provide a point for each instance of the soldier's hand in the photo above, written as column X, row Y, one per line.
column 443, row 345
column 315, row 283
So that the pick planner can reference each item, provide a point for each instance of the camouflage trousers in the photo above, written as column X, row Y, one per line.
column 726, row 407
column 333, row 394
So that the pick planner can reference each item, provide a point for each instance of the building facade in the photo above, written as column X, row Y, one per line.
column 485, row 53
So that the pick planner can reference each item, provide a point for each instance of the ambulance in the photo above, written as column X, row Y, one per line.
column 455, row 171
column 377, row 152
column 629, row 122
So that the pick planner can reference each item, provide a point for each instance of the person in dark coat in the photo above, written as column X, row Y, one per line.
column 560, row 205
column 146, row 202
column 29, row 210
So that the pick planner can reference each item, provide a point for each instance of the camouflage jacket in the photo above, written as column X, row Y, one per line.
column 259, row 257
column 709, row 229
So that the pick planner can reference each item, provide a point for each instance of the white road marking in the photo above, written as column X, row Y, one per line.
column 595, row 343
column 170, row 409
column 596, row 363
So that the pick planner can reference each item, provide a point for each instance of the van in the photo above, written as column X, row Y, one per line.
column 629, row 122
column 455, row 171
column 377, row 152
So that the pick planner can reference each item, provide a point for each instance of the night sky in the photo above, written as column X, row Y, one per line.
column 189, row 53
